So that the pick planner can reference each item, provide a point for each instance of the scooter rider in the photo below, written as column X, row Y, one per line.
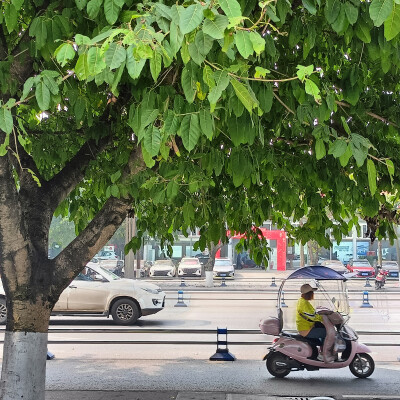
column 309, row 323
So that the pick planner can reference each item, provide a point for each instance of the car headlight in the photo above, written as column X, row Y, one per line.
column 150, row 290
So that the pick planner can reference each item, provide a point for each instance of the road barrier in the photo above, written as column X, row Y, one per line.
column 223, row 283
column 180, row 302
column 283, row 304
column 222, row 353
column 182, row 282
column 365, row 303
column 273, row 284
column 367, row 284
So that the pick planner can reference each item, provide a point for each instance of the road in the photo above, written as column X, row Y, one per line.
column 187, row 367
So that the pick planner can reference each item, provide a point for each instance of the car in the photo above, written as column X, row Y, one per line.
column 392, row 267
column 336, row 265
column 223, row 268
column 363, row 268
column 97, row 291
column 107, row 255
column 162, row 268
column 190, row 266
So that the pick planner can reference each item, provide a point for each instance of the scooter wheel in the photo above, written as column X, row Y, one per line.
column 276, row 365
column 362, row 365
column 377, row 285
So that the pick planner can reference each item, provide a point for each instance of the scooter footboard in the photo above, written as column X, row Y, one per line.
column 361, row 348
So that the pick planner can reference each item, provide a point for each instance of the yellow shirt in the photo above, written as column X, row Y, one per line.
column 306, row 316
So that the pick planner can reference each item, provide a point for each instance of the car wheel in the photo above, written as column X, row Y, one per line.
column 276, row 365
column 3, row 312
column 125, row 312
column 362, row 365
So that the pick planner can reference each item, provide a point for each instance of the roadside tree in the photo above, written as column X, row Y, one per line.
column 215, row 114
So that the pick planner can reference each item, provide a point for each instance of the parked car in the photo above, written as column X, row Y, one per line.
column 97, row 291
column 223, row 268
column 363, row 268
column 107, row 255
column 392, row 267
column 162, row 268
column 190, row 266
column 337, row 265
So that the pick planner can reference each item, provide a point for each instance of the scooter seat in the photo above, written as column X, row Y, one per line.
column 296, row 336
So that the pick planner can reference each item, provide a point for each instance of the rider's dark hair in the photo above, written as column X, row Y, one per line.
column 308, row 295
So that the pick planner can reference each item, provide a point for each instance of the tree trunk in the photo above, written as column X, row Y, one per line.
column 380, row 253
column 301, row 255
column 398, row 248
column 210, row 263
column 24, row 352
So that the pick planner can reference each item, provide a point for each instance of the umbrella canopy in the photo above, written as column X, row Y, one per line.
column 317, row 272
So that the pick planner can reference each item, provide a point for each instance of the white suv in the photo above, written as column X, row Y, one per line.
column 190, row 266
column 97, row 291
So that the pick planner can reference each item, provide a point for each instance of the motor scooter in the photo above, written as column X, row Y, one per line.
column 293, row 352
column 380, row 278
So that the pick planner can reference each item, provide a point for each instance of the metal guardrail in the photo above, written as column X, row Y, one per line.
column 185, row 331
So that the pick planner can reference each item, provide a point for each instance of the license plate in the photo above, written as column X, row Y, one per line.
column 364, row 273
column 222, row 274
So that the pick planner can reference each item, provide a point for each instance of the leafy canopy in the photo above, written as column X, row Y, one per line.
column 243, row 110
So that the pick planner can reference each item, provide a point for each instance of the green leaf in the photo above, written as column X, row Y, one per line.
column 82, row 67
column 392, row 24
column 191, row 18
column 190, row 131
column 345, row 126
column 188, row 82
column 332, row 10
column 80, row 4
column 95, row 61
column 221, row 82
column 93, row 8
column 175, row 37
column 266, row 97
column 48, row 80
column 111, row 11
column 320, row 150
column 231, row 8
column 338, row 148
column 363, row 31
column 64, row 53
column 344, row 159
column 258, row 42
column 312, row 89
column 28, row 85
column 172, row 190
column 359, row 153
column 152, row 141
column 208, row 77
column 11, row 17
column 206, row 123
column 371, row 176
column 244, row 43
column 114, row 190
column 134, row 67
column 310, row 6
column 200, row 47
column 380, row 10
column 171, row 124
column 6, row 120
column 115, row 56
column 155, row 65
column 42, row 94
column 351, row 13
column 40, row 32
column 341, row 23
column 390, row 167
column 244, row 95
column 303, row 72
column 216, row 27
column 17, row 3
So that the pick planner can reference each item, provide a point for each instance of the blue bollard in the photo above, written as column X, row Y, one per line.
column 223, row 281
column 367, row 284
column 365, row 303
column 222, row 354
column 183, row 282
column 273, row 284
column 180, row 302
column 50, row 355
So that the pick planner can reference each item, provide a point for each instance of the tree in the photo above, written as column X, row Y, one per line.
column 215, row 114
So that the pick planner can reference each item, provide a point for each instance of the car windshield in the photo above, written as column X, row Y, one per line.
column 109, row 275
column 190, row 262
column 223, row 262
column 361, row 264
column 163, row 262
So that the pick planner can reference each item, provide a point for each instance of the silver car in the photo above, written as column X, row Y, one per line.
column 223, row 268
column 97, row 291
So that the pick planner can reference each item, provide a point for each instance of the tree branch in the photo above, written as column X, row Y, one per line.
column 61, row 185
